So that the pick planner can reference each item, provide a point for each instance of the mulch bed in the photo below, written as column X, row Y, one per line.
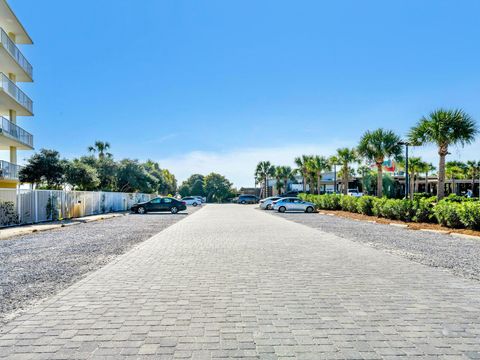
column 411, row 225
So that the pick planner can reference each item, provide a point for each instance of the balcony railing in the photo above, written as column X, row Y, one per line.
column 8, row 170
column 16, row 132
column 15, row 53
column 14, row 91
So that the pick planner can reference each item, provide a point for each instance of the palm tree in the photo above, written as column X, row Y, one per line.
column 378, row 145
column 279, row 178
column 429, row 168
column 316, row 166
column 364, row 171
column 473, row 172
column 101, row 148
column 264, row 171
column 302, row 169
column 444, row 127
column 345, row 157
column 283, row 174
column 415, row 167
column 455, row 170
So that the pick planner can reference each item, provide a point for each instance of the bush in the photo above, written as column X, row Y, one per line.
column 378, row 205
column 448, row 214
column 8, row 214
column 365, row 205
column 348, row 203
column 424, row 209
column 469, row 214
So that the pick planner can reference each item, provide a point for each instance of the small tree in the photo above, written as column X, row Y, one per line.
column 44, row 168
column 263, row 172
column 217, row 188
column 345, row 157
column 81, row 176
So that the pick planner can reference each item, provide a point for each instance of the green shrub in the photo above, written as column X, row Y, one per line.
column 448, row 213
column 8, row 214
column 424, row 209
column 365, row 205
column 378, row 205
column 348, row 203
column 418, row 196
column 469, row 213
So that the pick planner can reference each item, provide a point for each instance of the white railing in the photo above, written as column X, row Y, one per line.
column 16, row 132
column 14, row 91
column 13, row 50
column 8, row 170
column 35, row 206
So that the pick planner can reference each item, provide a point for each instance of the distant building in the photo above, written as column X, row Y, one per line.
column 14, row 68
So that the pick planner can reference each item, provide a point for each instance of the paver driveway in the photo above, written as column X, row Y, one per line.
column 231, row 281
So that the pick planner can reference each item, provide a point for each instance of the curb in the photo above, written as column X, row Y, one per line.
column 403, row 226
column 30, row 229
column 465, row 236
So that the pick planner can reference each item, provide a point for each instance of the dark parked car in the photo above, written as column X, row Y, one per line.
column 248, row 199
column 160, row 204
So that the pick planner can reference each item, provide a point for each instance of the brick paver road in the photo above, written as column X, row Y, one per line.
column 232, row 281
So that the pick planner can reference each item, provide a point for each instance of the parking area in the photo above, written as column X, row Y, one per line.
column 231, row 281
column 36, row 266
column 461, row 256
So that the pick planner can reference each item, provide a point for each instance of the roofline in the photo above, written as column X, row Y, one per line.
column 18, row 21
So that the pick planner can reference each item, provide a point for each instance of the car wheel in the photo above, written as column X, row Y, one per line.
column 282, row 209
column 194, row 204
column 309, row 209
column 269, row 207
column 174, row 210
column 141, row 210
column 243, row 202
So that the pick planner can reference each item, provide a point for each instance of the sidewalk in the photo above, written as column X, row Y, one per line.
column 9, row 232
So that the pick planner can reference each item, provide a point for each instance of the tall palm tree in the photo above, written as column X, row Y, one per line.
column 101, row 148
column 283, row 174
column 302, row 169
column 473, row 172
column 455, row 170
column 263, row 172
column 429, row 168
column 378, row 145
column 316, row 166
column 345, row 157
column 443, row 128
column 279, row 178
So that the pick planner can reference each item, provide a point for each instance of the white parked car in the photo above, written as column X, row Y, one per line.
column 354, row 192
column 202, row 199
column 267, row 203
column 293, row 204
column 192, row 200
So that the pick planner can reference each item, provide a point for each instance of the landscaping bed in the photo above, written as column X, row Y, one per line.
column 410, row 225
column 453, row 212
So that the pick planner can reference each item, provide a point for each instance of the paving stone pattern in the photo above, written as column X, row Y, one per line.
column 232, row 282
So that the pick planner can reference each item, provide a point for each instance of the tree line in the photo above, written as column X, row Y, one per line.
column 96, row 171
column 214, row 187
column 443, row 127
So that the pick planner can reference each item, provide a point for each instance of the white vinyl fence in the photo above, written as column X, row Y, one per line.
column 35, row 206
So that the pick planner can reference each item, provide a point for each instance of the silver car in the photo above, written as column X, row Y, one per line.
column 293, row 204
column 267, row 203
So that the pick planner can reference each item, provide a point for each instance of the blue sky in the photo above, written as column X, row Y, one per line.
column 219, row 85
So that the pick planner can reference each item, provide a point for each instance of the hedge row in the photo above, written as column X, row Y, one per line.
column 453, row 214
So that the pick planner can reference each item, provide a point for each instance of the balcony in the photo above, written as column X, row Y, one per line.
column 12, row 98
column 13, row 135
column 9, row 171
column 12, row 59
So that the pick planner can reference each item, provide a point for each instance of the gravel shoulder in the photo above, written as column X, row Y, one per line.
column 35, row 266
column 457, row 255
